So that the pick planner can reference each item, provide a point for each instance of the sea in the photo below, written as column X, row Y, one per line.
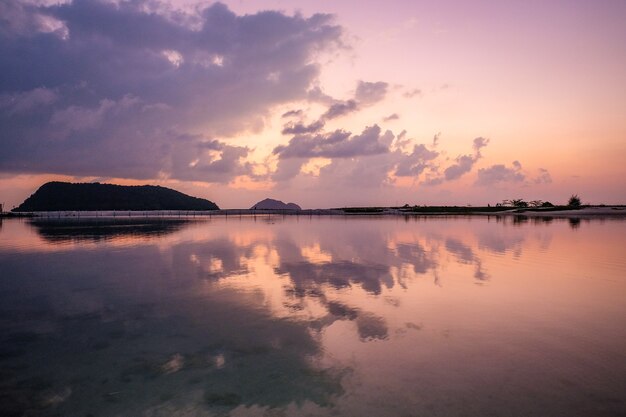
column 273, row 315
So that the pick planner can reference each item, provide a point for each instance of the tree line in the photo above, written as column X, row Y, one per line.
column 573, row 202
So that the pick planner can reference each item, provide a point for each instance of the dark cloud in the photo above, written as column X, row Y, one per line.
column 340, row 109
column 300, row 128
column 463, row 163
column 112, row 89
column 368, row 93
column 364, row 160
column 198, row 159
column 391, row 117
column 499, row 173
column 337, row 144
column 292, row 113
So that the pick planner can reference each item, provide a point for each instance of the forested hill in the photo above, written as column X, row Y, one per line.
column 65, row 196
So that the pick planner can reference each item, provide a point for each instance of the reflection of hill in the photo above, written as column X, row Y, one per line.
column 104, row 229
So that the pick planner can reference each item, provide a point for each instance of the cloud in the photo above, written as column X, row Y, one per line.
column 436, row 139
column 356, row 160
column 416, row 92
column 300, row 128
column 433, row 181
column 196, row 158
column 412, row 165
column 316, row 95
column 499, row 173
column 463, row 163
column 391, row 117
column 371, row 171
column 340, row 109
column 82, row 118
column 110, row 88
column 544, row 177
column 480, row 143
column 337, row 144
column 288, row 168
column 368, row 93
column 292, row 113
column 24, row 19
column 27, row 100
column 375, row 170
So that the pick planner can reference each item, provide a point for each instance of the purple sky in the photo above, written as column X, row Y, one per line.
column 324, row 103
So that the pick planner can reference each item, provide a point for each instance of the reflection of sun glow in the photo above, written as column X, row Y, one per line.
column 315, row 255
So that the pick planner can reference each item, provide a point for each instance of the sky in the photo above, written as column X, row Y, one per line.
column 322, row 103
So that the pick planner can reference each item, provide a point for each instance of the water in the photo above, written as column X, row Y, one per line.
column 321, row 316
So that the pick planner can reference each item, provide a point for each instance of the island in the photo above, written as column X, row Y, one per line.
column 65, row 196
column 271, row 204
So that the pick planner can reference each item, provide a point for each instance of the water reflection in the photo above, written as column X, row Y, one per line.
column 97, row 229
column 326, row 316
column 574, row 222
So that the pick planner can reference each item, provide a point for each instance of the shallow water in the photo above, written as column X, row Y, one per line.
column 281, row 316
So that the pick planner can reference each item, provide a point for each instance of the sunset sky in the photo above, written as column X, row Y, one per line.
column 323, row 103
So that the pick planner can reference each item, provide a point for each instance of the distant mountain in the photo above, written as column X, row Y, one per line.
column 270, row 204
column 55, row 196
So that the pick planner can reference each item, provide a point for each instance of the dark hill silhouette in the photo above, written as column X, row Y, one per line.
column 55, row 196
column 270, row 204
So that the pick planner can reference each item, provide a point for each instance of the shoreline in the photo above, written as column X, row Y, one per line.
column 585, row 212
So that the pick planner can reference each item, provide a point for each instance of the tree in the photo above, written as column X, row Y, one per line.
column 574, row 201
column 518, row 203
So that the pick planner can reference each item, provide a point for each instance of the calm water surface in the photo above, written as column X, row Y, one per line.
column 329, row 316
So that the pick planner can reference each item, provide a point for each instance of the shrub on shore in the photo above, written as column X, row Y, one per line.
column 574, row 201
